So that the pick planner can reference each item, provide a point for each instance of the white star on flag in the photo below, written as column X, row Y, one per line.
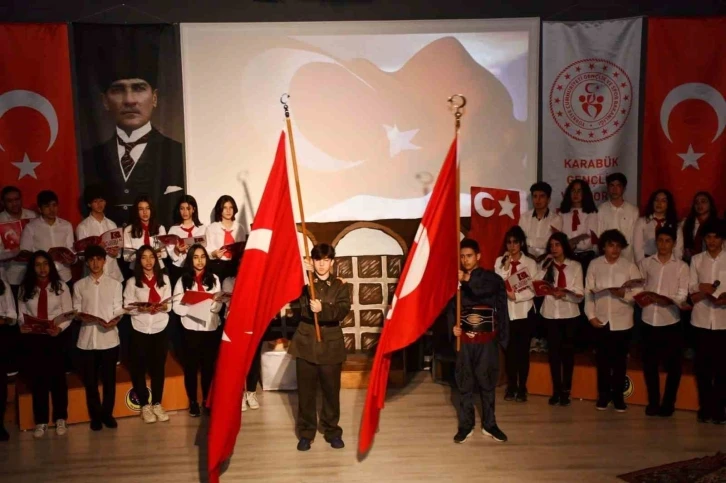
column 690, row 158
column 400, row 140
column 26, row 167
column 507, row 207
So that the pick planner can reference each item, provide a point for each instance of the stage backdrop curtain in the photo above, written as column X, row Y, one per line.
column 590, row 91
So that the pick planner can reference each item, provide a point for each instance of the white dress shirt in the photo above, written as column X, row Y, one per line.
column 147, row 323
column 644, row 240
column 178, row 260
column 132, row 244
column 39, row 235
column 92, row 227
column 203, row 316
column 103, row 299
column 669, row 279
column 10, row 270
column 137, row 150
column 539, row 231
column 57, row 304
column 588, row 223
column 215, row 236
column 608, row 308
column 7, row 303
column 622, row 218
column 706, row 269
column 567, row 307
column 520, row 307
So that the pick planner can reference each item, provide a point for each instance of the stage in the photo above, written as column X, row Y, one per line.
column 414, row 445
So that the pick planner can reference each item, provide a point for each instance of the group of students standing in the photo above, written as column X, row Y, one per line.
column 42, row 288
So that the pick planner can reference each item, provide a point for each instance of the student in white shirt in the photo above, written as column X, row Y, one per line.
column 579, row 220
column 690, row 239
column 616, row 213
column 45, row 296
column 611, row 313
column 709, row 323
column 561, row 313
column 96, row 224
column 149, row 340
column 224, row 231
column 539, row 223
column 521, row 312
column 11, row 270
column 142, row 229
column 659, row 212
column 201, row 335
column 98, row 295
column 662, row 334
column 8, row 339
column 49, row 231
column 186, row 225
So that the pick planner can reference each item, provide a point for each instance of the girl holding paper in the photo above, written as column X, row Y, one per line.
column 186, row 225
column 141, row 230
column 225, row 231
column 516, row 260
column 199, row 309
column 43, row 295
column 579, row 220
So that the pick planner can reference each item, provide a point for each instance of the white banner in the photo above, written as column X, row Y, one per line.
column 590, row 91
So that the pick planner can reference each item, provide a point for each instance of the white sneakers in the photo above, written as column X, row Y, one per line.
column 61, row 427
column 160, row 413
column 245, row 405
column 252, row 402
column 40, row 430
column 147, row 414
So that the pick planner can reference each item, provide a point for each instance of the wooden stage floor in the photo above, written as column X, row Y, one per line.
column 414, row 445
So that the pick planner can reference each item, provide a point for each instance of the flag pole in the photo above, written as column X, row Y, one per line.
column 311, row 285
column 457, row 103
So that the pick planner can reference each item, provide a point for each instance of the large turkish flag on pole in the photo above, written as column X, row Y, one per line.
column 269, row 276
column 429, row 280
column 37, row 131
column 684, row 143
column 493, row 212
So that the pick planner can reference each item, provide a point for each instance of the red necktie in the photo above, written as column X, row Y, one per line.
column 228, row 238
column 188, row 230
column 147, row 235
column 561, row 279
column 198, row 278
column 127, row 162
column 659, row 222
column 575, row 220
column 43, row 300
column 514, row 267
column 154, row 296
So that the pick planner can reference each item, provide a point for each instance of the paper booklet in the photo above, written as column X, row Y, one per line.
column 92, row 319
column 519, row 281
column 542, row 288
column 10, row 232
column 8, row 321
column 716, row 298
column 192, row 297
column 176, row 240
column 111, row 239
column 144, row 307
column 41, row 326
column 62, row 255
column 234, row 250
column 636, row 282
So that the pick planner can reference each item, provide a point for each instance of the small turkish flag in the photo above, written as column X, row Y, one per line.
column 269, row 277
column 429, row 280
column 493, row 212
column 37, row 131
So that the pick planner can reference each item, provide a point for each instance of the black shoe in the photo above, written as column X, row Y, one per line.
column 110, row 422
column 620, row 406
column 554, row 400
column 652, row 410
column 495, row 433
column 702, row 417
column 194, row 410
column 303, row 444
column 510, row 394
column 462, row 435
column 565, row 399
column 96, row 425
column 4, row 435
column 521, row 395
column 602, row 404
column 337, row 443
column 666, row 411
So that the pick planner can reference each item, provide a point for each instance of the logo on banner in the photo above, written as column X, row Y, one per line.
column 132, row 400
column 590, row 100
column 629, row 387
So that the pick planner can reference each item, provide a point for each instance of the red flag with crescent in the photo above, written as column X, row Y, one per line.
column 37, row 130
column 493, row 212
column 684, row 131
column 270, row 275
column 428, row 282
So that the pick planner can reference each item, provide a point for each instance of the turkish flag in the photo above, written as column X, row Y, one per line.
column 37, row 131
column 684, row 143
column 269, row 277
column 493, row 212
column 429, row 280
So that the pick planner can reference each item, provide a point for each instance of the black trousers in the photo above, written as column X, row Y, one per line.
column 561, row 352
column 517, row 353
column 612, row 361
column 200, row 354
column 662, row 345
column 327, row 376
column 46, row 374
column 710, row 366
column 95, row 365
column 147, row 354
column 477, row 366
column 253, row 377
column 8, row 343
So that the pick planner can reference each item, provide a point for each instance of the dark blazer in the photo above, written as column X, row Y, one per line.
column 160, row 167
